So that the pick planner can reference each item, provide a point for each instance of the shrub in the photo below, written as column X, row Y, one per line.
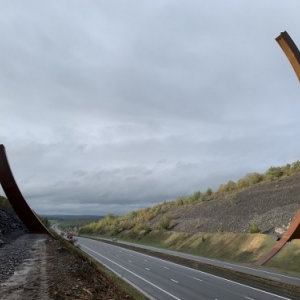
column 254, row 228
column 196, row 196
column 221, row 229
column 229, row 186
column 180, row 201
column 208, row 191
column 166, row 222
column 296, row 166
column 254, row 178
column 5, row 202
column 274, row 173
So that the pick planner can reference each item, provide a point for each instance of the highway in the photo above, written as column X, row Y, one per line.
column 163, row 280
column 257, row 271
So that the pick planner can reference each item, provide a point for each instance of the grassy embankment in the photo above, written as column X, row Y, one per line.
column 246, row 247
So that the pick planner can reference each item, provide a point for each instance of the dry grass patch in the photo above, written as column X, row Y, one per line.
column 288, row 258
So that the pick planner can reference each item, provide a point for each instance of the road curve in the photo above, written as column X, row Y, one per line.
column 163, row 280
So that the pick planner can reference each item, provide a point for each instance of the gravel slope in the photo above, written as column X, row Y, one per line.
column 272, row 206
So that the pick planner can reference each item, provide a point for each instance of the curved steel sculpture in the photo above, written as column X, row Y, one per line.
column 15, row 197
column 291, row 51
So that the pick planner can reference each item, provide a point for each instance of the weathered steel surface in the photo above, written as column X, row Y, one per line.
column 293, row 232
column 291, row 51
column 15, row 197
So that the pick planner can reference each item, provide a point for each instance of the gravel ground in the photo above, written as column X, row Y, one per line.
column 22, row 272
column 36, row 266
column 40, row 267
column 10, row 226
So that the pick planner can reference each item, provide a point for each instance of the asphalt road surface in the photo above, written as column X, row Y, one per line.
column 257, row 271
column 163, row 280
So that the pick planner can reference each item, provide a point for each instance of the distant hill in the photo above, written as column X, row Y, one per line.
column 73, row 217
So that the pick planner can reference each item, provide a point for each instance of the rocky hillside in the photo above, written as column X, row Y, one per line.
column 272, row 206
column 10, row 225
column 269, row 206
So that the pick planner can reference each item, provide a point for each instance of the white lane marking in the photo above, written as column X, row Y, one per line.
column 235, row 266
column 201, row 259
column 198, row 279
column 174, row 280
column 117, row 255
column 130, row 261
column 167, row 268
column 274, row 278
column 221, row 278
column 249, row 298
column 147, row 269
column 145, row 260
column 134, row 274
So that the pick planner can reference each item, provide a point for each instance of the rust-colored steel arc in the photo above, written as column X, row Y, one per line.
column 293, row 232
column 292, row 52
column 15, row 197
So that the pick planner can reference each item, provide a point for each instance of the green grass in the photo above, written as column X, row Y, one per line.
column 288, row 258
column 52, row 222
column 243, row 247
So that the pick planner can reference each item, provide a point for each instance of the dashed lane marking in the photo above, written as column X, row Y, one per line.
column 134, row 274
column 174, row 280
column 198, row 279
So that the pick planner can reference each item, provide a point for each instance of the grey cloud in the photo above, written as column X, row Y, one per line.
column 110, row 108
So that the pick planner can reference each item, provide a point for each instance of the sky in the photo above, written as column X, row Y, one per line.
column 113, row 106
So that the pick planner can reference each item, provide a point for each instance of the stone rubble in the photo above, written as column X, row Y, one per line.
column 15, row 244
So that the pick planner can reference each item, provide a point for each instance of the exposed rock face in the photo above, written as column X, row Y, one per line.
column 271, row 206
column 10, row 225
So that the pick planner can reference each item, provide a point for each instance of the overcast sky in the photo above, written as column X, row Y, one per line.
column 111, row 106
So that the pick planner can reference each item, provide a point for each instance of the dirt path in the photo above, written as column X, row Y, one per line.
column 30, row 279
column 55, row 271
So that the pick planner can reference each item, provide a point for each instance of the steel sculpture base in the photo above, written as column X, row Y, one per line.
column 16, row 199
column 291, row 51
column 292, row 233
